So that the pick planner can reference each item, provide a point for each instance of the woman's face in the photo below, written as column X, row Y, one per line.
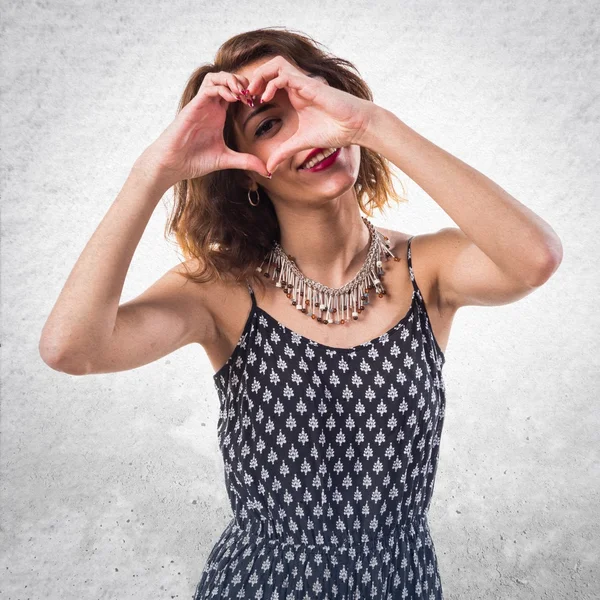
column 262, row 129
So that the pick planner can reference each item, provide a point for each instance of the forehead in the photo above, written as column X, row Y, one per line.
column 248, row 69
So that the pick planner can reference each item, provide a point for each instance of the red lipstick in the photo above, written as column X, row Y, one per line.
column 320, row 166
column 311, row 154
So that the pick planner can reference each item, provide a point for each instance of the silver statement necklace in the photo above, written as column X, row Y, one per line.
column 324, row 303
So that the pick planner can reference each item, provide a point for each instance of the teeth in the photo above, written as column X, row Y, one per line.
column 318, row 158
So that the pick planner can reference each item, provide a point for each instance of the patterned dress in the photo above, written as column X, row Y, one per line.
column 330, row 456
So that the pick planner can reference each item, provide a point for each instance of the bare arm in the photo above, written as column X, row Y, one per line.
column 87, row 331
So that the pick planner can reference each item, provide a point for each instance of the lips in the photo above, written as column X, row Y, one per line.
column 324, row 164
column 311, row 154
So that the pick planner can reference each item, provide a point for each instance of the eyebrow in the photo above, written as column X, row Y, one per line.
column 260, row 108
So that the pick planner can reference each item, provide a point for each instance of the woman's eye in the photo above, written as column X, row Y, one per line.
column 262, row 129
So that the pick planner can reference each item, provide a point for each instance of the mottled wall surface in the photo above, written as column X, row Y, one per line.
column 112, row 485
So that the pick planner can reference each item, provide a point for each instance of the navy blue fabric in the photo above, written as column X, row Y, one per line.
column 330, row 456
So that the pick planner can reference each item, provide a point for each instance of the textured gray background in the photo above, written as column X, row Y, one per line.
column 112, row 485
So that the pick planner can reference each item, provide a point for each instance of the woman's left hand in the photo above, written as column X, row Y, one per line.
column 327, row 117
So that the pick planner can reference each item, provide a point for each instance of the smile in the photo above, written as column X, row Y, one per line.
column 320, row 166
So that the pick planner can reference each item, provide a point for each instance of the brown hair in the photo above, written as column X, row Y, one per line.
column 212, row 219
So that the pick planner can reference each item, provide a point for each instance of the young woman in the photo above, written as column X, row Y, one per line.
column 331, row 394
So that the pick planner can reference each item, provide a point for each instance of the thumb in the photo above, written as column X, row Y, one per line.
column 245, row 162
column 287, row 149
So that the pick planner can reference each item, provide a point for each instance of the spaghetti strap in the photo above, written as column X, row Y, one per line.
column 410, row 269
column 251, row 291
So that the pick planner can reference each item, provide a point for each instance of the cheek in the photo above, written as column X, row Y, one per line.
column 352, row 156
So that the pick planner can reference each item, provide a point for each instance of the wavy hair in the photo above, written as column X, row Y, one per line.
column 212, row 220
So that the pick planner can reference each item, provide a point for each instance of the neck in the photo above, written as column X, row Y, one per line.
column 329, row 243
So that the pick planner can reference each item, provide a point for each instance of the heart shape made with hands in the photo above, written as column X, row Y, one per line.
column 327, row 117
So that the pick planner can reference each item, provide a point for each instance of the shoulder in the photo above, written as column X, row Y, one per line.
column 212, row 291
column 426, row 259
column 424, row 249
column 198, row 300
column 210, row 303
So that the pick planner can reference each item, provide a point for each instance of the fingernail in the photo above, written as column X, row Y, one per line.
column 244, row 92
column 269, row 175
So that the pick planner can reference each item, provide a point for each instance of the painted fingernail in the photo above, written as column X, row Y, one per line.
column 269, row 175
column 244, row 92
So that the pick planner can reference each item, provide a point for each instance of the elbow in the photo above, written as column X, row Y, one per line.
column 548, row 265
column 63, row 360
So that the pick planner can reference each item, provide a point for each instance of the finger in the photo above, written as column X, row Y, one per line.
column 303, row 85
column 224, row 80
column 235, row 85
column 230, row 82
column 226, row 93
column 245, row 162
column 238, row 87
column 214, row 90
column 272, row 87
column 195, row 105
column 230, row 95
column 261, row 76
column 244, row 81
column 284, row 151
column 270, row 70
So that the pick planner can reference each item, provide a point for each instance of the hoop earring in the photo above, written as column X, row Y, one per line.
column 257, row 195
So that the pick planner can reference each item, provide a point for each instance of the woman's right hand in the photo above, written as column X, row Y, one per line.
column 193, row 144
